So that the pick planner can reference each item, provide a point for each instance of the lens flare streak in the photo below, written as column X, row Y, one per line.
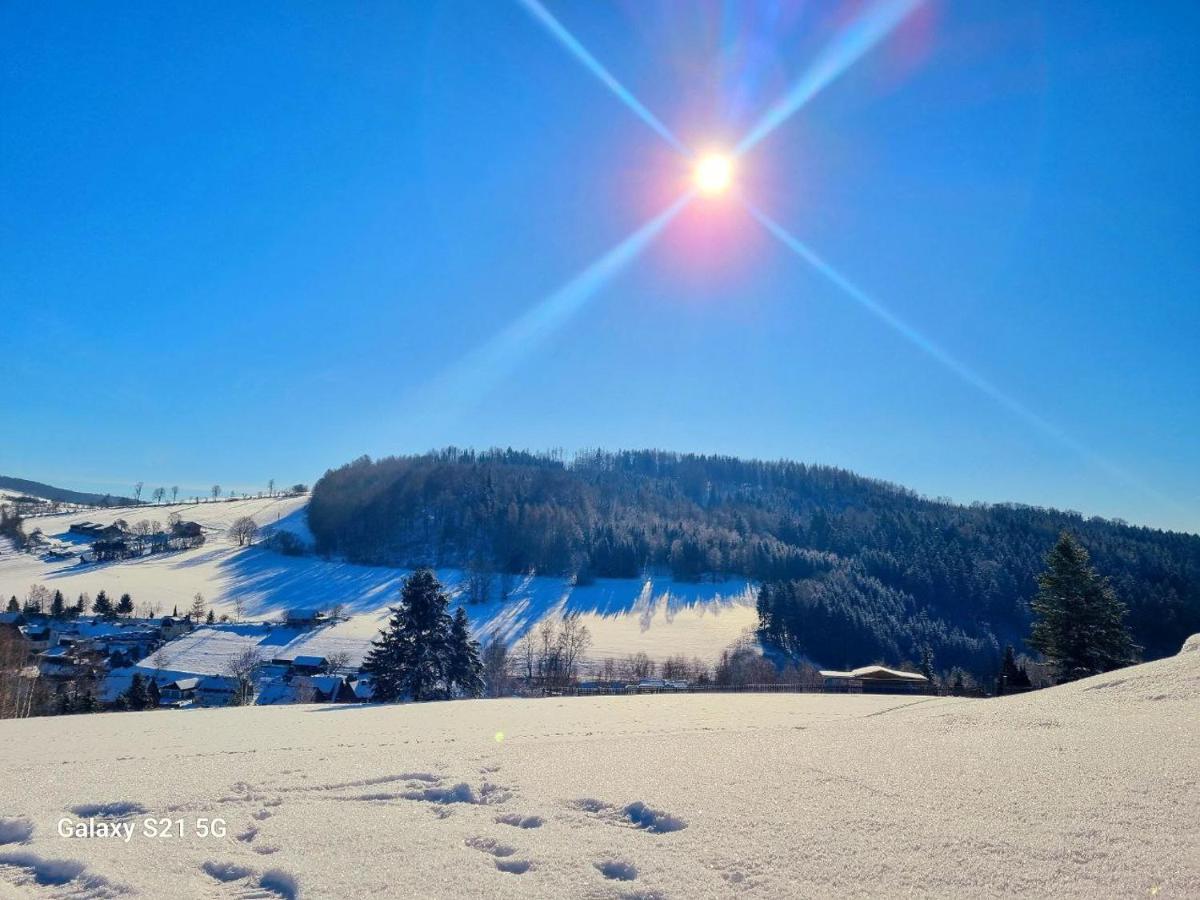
column 568, row 40
column 915, row 337
column 473, row 376
column 859, row 37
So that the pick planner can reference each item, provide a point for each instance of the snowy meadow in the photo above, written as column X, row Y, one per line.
column 659, row 617
column 1083, row 790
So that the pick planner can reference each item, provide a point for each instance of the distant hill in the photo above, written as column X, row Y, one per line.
column 882, row 571
column 62, row 495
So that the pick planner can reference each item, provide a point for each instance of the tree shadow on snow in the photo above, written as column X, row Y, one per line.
column 266, row 581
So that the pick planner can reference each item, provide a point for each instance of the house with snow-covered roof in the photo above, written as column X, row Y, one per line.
column 304, row 617
column 180, row 692
column 875, row 680
column 309, row 665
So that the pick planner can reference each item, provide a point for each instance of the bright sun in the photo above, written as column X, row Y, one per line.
column 713, row 174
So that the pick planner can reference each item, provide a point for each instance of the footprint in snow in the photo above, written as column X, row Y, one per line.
column 118, row 809
column 249, row 883
column 24, row 868
column 519, row 821
column 500, row 854
column 653, row 820
column 489, row 845
column 617, row 869
column 637, row 814
column 16, row 830
column 514, row 866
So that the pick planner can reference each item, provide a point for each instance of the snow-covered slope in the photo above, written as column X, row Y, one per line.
column 661, row 618
column 1082, row 791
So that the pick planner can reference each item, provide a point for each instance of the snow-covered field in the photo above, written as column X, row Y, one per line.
column 1088, row 790
column 661, row 618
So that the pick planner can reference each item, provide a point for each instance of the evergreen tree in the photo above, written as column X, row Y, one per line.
column 65, row 706
column 124, row 606
column 1012, row 675
column 87, row 703
column 136, row 697
column 410, row 659
column 152, row 694
column 1079, row 622
column 57, row 606
column 210, row 618
column 926, row 667
column 465, row 668
column 102, row 606
column 13, row 605
column 81, row 605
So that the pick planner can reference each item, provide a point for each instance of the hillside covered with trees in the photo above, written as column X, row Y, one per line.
column 863, row 569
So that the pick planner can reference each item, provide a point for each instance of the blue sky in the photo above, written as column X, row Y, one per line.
column 243, row 241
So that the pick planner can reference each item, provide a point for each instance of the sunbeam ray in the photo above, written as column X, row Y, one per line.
column 568, row 40
column 964, row 372
column 469, row 379
column 859, row 37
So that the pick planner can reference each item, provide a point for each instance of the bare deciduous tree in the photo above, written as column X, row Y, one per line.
column 495, row 669
column 16, row 689
column 241, row 669
column 243, row 530
column 573, row 641
column 216, row 491
column 527, row 657
column 548, row 660
column 174, row 492
column 38, row 598
column 137, row 491
column 479, row 580
column 159, row 493
column 638, row 666
column 305, row 692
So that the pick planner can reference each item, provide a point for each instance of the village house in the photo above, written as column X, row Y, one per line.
column 179, row 693
column 97, row 532
column 304, row 618
column 875, row 680
column 309, row 665
column 37, row 634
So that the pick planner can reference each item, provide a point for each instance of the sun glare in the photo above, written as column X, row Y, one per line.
column 713, row 174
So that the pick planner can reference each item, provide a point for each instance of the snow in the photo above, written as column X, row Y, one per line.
column 1080, row 791
column 658, row 617
column 874, row 672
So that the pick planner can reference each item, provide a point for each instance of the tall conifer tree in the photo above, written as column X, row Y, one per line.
column 410, row 659
column 466, row 669
column 1079, row 624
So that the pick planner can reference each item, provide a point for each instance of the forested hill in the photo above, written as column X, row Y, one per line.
column 879, row 570
column 62, row 495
